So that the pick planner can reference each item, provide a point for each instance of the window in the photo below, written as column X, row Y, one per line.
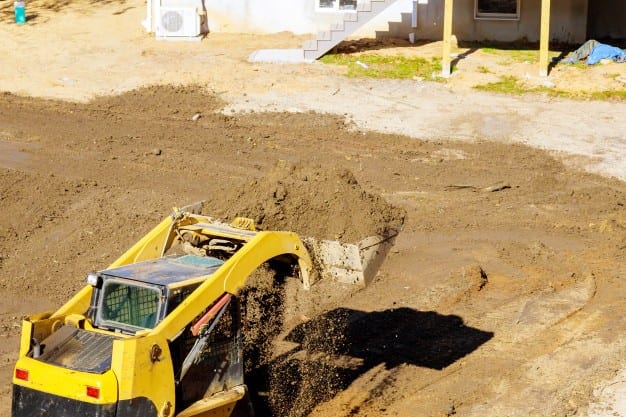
column 336, row 5
column 129, row 306
column 497, row 9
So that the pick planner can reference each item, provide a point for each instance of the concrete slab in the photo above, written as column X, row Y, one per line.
column 610, row 398
column 277, row 56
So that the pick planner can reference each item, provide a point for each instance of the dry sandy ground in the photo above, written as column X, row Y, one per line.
column 86, row 51
column 543, row 337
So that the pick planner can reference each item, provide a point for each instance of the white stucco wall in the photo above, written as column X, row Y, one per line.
column 297, row 16
column 568, row 23
column 258, row 16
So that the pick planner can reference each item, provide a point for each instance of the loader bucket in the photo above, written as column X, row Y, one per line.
column 350, row 263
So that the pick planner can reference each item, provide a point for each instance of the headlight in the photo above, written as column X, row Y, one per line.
column 94, row 280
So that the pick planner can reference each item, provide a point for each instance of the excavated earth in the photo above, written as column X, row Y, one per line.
column 291, row 197
column 503, row 294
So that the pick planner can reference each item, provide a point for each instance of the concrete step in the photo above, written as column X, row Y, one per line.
column 364, row 7
column 326, row 40
column 311, row 55
column 279, row 56
column 351, row 17
column 324, row 35
column 310, row 45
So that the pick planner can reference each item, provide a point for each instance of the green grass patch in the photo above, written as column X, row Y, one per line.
column 511, row 56
column 605, row 95
column 609, row 95
column 378, row 66
column 506, row 85
column 513, row 86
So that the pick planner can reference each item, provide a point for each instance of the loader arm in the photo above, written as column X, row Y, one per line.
column 233, row 275
column 151, row 246
column 155, row 243
column 229, row 278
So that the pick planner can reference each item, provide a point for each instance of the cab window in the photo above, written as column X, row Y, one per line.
column 124, row 304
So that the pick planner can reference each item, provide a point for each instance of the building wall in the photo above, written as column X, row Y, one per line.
column 607, row 19
column 258, row 16
column 568, row 22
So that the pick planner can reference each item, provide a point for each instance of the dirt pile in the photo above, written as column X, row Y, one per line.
column 313, row 370
column 289, row 368
column 176, row 103
column 324, row 203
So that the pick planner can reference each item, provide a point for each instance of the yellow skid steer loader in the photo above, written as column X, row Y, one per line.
column 158, row 333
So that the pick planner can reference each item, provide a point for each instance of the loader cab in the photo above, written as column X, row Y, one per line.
column 136, row 297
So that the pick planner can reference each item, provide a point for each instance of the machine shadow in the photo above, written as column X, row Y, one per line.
column 334, row 349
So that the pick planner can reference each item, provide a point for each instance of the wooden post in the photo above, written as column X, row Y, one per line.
column 446, row 63
column 544, row 40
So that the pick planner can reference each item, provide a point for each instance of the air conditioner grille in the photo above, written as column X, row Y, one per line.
column 172, row 21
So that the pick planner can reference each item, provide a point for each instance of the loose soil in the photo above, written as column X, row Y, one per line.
column 503, row 294
column 291, row 197
column 503, row 291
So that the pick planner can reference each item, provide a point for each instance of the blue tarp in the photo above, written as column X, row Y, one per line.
column 593, row 52
column 602, row 51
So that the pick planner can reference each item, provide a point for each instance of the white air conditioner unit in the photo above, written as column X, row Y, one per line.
column 178, row 22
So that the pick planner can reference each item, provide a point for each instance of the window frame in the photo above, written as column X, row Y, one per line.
column 495, row 15
column 103, row 322
column 335, row 8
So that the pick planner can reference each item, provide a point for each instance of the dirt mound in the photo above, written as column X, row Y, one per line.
column 289, row 370
column 324, row 203
column 176, row 102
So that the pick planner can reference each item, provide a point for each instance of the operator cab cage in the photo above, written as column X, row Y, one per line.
column 135, row 297
column 138, row 296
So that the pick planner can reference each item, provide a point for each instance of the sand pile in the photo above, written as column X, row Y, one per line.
column 310, row 200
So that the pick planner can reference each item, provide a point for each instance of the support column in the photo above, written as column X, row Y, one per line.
column 446, row 62
column 544, row 40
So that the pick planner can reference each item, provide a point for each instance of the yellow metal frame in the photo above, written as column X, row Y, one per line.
column 232, row 276
column 138, row 375
column 135, row 372
column 66, row 382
